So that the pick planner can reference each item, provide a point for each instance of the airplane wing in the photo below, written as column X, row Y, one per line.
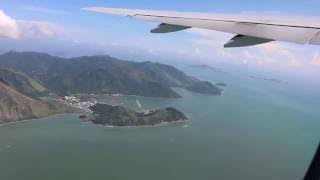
column 248, row 30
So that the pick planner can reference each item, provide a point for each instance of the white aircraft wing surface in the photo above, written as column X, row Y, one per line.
column 248, row 30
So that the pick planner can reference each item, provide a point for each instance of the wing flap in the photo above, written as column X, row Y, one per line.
column 167, row 28
column 316, row 39
column 242, row 41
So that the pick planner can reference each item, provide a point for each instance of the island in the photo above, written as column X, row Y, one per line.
column 207, row 67
column 221, row 84
column 274, row 80
column 204, row 87
column 118, row 116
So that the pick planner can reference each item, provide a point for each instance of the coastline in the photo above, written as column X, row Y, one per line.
column 27, row 120
column 163, row 124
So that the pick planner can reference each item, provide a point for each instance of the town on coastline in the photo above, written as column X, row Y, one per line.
column 77, row 103
column 112, row 113
column 84, row 102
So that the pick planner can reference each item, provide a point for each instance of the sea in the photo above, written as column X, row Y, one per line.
column 256, row 130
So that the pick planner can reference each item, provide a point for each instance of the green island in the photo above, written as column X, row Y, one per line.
column 119, row 116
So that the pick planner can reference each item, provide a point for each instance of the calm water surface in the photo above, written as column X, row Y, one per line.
column 255, row 130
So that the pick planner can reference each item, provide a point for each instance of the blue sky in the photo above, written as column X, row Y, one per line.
column 61, row 28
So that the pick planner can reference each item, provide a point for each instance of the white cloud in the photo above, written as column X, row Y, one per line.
column 209, row 37
column 207, row 42
column 8, row 26
column 36, row 29
column 316, row 59
column 207, row 33
column 271, row 54
column 15, row 28
column 115, row 44
column 281, row 54
column 151, row 51
column 206, row 45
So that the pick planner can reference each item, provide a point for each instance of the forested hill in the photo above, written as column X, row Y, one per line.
column 103, row 75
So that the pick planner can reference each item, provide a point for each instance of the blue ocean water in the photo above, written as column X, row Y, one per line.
column 256, row 130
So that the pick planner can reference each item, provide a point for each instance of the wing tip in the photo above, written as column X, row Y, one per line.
column 88, row 8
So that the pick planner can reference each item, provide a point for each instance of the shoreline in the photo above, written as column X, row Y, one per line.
column 27, row 120
column 163, row 124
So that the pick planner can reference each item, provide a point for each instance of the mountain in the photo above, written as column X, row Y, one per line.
column 103, row 75
column 120, row 116
column 15, row 106
column 203, row 87
column 22, row 83
column 19, row 98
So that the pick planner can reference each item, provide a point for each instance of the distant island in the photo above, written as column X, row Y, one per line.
column 119, row 116
column 204, row 87
column 207, row 67
column 221, row 84
column 274, row 80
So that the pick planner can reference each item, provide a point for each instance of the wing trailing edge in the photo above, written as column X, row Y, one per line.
column 254, row 29
column 243, row 41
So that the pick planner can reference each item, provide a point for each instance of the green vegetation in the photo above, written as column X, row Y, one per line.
column 26, row 77
column 15, row 106
column 21, row 83
column 19, row 98
column 103, row 75
column 120, row 116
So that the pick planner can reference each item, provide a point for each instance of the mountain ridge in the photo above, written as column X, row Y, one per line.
column 103, row 75
column 15, row 106
column 20, row 98
column 22, row 83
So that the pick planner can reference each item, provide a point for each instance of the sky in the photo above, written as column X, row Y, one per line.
column 61, row 28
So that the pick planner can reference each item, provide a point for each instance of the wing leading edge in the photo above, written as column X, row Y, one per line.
column 249, row 30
